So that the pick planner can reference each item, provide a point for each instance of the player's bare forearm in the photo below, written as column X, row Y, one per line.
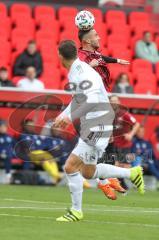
column 135, row 129
column 129, row 136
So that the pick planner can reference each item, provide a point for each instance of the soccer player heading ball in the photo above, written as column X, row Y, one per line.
column 89, row 53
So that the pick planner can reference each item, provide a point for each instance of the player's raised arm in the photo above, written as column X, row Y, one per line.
column 115, row 60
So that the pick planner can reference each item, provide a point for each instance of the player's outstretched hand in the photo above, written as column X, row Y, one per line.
column 123, row 62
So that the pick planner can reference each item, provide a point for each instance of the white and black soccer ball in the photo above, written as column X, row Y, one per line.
column 84, row 20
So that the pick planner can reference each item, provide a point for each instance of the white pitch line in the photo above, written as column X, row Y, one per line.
column 87, row 221
column 86, row 209
column 86, row 204
column 32, row 208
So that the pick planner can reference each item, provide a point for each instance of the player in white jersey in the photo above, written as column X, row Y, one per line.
column 90, row 105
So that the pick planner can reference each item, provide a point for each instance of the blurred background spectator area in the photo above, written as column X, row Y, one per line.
column 29, row 36
column 120, row 29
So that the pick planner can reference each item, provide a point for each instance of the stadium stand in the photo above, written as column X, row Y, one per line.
column 47, row 25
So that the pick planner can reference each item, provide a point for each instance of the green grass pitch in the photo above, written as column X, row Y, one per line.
column 29, row 213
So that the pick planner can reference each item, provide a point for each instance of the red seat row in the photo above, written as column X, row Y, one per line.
column 19, row 24
column 18, row 10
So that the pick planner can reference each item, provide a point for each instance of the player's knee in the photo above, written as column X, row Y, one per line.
column 88, row 171
column 67, row 169
column 86, row 174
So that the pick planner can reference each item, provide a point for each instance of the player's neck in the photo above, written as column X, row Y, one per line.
column 88, row 48
column 68, row 64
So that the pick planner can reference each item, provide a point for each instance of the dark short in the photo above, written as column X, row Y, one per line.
column 113, row 154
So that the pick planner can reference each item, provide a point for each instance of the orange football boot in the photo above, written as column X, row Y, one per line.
column 108, row 191
column 115, row 184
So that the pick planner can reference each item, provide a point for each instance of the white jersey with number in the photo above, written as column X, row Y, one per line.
column 80, row 75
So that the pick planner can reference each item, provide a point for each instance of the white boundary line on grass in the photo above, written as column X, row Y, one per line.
column 85, row 208
column 87, row 221
column 86, row 204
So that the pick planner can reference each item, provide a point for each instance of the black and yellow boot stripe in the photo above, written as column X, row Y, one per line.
column 137, row 181
column 69, row 217
column 76, row 218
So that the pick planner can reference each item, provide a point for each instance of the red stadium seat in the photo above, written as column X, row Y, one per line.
column 5, row 33
column 51, row 58
column 5, row 25
column 24, row 22
column 137, row 19
column 97, row 14
column 3, row 10
column 116, row 17
column 18, row 34
column 49, row 27
column 29, row 31
column 69, row 35
column 143, row 78
column 20, row 43
column 122, row 29
column 104, row 51
column 5, row 53
column 19, row 46
column 45, row 42
column 118, row 39
column 140, row 66
column 4, row 60
column 20, row 9
column 67, row 24
column 112, row 46
column 140, row 29
column 52, row 79
column 45, row 49
column 46, row 35
column 67, row 13
column 146, row 88
column 66, row 17
column 48, row 66
column 44, row 12
column 121, row 53
column 102, row 32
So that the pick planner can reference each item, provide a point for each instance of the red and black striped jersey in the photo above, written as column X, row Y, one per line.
column 102, row 68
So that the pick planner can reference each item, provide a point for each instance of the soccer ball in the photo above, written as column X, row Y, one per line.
column 84, row 20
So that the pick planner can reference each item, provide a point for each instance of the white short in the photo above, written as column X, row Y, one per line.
column 90, row 154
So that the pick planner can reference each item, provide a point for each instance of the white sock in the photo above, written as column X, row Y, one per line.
column 110, row 171
column 103, row 181
column 75, row 183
